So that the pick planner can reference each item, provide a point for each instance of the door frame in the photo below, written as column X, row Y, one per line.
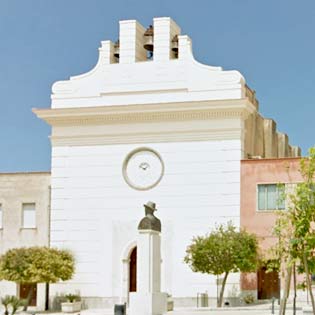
column 260, row 272
column 34, row 297
column 125, row 270
column 133, row 270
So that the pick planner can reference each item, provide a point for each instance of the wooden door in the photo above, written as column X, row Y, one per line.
column 24, row 291
column 268, row 284
column 133, row 271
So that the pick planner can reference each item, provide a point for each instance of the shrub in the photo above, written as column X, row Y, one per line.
column 248, row 298
column 11, row 302
column 72, row 297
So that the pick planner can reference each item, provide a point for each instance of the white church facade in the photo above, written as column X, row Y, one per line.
column 140, row 127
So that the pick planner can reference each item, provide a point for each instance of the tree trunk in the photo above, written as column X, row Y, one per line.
column 294, row 287
column 222, row 289
column 47, row 297
column 286, row 292
column 28, row 299
column 309, row 285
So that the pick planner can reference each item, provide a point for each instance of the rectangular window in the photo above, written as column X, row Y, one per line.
column 1, row 215
column 271, row 197
column 29, row 215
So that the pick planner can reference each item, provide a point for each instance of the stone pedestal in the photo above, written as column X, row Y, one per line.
column 148, row 300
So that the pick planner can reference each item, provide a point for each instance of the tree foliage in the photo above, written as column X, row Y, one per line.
column 36, row 265
column 223, row 251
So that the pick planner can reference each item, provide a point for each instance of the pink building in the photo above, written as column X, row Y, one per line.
column 261, row 183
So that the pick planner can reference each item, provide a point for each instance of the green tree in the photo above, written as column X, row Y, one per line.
column 36, row 265
column 223, row 251
column 295, row 228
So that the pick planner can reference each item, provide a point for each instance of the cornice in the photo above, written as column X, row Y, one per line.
column 150, row 137
column 121, row 114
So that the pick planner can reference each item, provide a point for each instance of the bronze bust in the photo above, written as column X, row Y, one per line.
column 150, row 221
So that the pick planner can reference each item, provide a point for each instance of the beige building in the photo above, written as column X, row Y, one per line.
column 24, row 221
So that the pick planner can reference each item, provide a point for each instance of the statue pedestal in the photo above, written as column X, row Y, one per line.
column 148, row 300
column 148, row 261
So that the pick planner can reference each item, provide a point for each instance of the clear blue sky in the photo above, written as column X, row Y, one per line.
column 271, row 42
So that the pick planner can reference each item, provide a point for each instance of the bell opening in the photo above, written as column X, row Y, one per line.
column 116, row 50
column 148, row 42
column 175, row 46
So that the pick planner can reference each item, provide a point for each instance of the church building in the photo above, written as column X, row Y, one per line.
column 149, row 123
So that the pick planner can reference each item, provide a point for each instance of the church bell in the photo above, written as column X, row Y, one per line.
column 116, row 49
column 175, row 45
column 148, row 39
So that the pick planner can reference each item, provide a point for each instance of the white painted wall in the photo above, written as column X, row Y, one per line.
column 95, row 213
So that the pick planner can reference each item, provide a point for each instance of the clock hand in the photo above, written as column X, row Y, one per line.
column 144, row 166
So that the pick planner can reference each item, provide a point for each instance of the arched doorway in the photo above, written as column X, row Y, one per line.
column 133, row 270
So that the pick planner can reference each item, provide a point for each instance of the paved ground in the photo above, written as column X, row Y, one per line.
column 254, row 310
column 229, row 312
column 216, row 312
column 262, row 309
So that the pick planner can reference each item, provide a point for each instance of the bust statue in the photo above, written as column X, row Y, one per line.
column 150, row 221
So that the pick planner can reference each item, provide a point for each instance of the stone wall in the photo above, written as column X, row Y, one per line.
column 262, row 140
column 16, row 189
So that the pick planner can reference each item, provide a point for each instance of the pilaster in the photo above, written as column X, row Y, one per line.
column 131, row 42
column 164, row 31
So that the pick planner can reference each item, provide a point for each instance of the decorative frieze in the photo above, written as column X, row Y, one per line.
column 146, row 113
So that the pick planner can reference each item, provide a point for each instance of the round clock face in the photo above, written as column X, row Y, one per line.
column 143, row 168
